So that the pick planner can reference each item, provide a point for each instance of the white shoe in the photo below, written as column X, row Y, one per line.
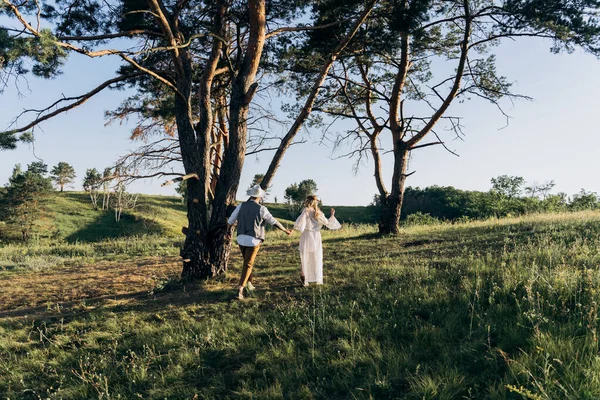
column 240, row 295
column 250, row 286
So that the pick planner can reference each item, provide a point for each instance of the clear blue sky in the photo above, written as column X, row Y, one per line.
column 553, row 137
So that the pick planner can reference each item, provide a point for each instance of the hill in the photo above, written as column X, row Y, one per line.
column 500, row 309
column 71, row 217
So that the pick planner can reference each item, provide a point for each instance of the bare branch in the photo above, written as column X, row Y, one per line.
column 309, row 103
column 179, row 179
column 131, row 33
column 251, row 152
column 420, row 146
column 79, row 101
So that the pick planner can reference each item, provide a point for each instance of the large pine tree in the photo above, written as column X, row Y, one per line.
column 195, row 67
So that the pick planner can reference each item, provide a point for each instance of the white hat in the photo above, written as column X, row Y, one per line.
column 256, row 191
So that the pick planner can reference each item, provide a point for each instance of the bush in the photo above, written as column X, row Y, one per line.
column 419, row 218
column 462, row 220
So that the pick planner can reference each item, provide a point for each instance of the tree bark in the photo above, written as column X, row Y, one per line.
column 391, row 205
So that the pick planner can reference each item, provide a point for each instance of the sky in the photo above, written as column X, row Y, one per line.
column 555, row 136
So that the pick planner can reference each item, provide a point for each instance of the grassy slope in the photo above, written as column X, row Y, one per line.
column 72, row 217
column 497, row 309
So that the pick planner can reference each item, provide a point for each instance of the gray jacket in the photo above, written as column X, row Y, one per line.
column 249, row 220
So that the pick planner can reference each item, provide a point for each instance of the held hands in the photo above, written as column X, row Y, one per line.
column 289, row 232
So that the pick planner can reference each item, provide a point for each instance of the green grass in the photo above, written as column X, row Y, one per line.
column 499, row 309
column 70, row 217
column 74, row 219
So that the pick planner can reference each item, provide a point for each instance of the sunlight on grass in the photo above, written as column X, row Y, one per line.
column 498, row 309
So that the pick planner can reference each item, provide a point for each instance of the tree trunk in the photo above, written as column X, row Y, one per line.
column 391, row 205
column 205, row 253
column 208, row 238
column 199, row 246
column 206, row 250
column 390, row 214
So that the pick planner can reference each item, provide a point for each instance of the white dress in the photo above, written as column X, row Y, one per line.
column 311, row 245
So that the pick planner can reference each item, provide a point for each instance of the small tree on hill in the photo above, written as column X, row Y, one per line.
column 297, row 192
column 21, row 206
column 546, row 188
column 536, row 189
column 63, row 174
column 92, row 182
column 509, row 186
column 181, row 189
column 533, row 189
column 258, row 178
column 123, row 200
column 106, row 179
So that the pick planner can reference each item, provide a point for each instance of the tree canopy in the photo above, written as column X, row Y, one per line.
column 63, row 174
column 411, row 60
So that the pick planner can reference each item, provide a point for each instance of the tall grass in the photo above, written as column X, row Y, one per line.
column 499, row 309
column 44, row 255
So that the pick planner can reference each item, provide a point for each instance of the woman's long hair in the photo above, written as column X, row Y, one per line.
column 312, row 203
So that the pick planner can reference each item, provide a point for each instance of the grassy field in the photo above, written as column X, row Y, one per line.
column 70, row 217
column 500, row 309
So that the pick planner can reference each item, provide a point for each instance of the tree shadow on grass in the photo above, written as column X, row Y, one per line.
column 361, row 237
column 167, row 290
column 365, row 332
column 105, row 227
column 435, row 339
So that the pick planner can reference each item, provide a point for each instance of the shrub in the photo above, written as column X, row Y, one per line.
column 419, row 218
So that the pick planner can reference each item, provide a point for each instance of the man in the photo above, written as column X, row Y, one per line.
column 251, row 218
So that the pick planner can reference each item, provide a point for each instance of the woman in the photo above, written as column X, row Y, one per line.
column 311, row 247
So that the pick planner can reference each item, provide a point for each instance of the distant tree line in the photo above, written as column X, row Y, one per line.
column 508, row 196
